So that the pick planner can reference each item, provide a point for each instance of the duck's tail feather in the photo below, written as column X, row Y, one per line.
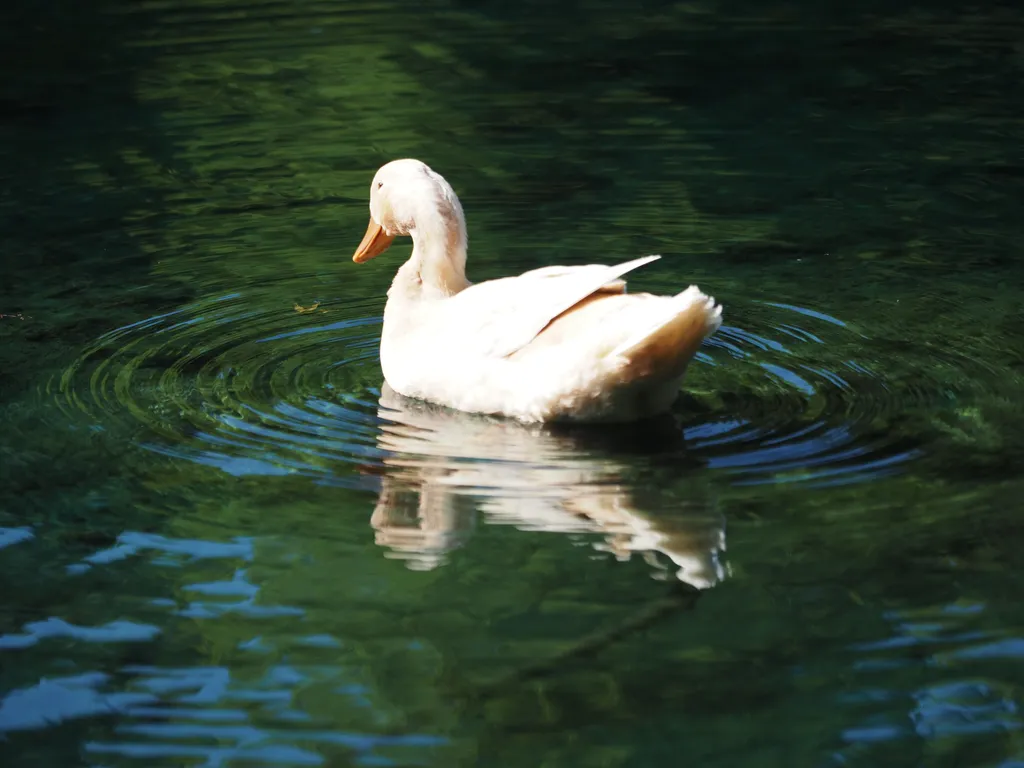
column 665, row 346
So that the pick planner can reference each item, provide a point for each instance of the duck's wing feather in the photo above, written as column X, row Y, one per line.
column 499, row 317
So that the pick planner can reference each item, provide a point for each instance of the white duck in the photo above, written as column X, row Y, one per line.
column 553, row 344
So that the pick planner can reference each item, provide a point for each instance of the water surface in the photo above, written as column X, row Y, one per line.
column 225, row 543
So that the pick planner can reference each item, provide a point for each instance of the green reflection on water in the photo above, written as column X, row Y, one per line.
column 193, row 454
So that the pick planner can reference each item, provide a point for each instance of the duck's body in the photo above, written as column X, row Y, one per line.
column 553, row 344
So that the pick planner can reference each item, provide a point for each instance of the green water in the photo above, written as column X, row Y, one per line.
column 221, row 544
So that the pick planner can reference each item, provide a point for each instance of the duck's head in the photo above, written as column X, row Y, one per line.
column 408, row 198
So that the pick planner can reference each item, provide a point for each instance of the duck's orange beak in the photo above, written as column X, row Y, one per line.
column 374, row 243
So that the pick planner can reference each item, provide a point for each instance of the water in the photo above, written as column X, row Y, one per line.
column 223, row 543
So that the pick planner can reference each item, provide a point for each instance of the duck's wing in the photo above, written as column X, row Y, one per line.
column 499, row 317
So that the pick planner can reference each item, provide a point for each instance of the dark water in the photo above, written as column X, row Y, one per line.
column 222, row 544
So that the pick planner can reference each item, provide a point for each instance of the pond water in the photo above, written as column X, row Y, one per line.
column 224, row 543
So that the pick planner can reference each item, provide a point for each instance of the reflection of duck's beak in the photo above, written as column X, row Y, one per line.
column 444, row 467
column 417, row 525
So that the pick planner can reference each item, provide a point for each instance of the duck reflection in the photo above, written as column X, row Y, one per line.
column 443, row 469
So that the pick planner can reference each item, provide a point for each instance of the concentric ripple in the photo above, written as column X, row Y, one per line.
column 238, row 383
column 802, row 396
column 252, row 385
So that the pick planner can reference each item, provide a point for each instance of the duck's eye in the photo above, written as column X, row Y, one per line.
column 380, row 184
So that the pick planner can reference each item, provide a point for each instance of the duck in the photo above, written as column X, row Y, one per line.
column 553, row 344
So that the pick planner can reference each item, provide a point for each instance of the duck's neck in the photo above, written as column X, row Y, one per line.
column 437, row 267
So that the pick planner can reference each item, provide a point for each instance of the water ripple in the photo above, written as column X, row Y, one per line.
column 250, row 385
column 926, row 679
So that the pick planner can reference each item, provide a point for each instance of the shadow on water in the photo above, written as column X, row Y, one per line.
column 83, row 160
column 846, row 134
